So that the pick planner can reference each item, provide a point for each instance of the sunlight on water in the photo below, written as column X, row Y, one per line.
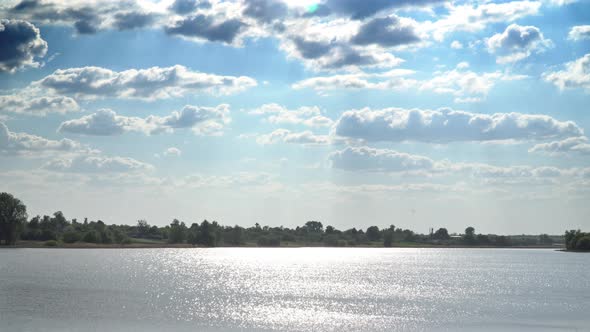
column 303, row 289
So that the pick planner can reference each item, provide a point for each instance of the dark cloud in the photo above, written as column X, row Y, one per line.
column 333, row 54
column 86, row 19
column 133, row 20
column 85, row 27
column 26, row 5
column 20, row 42
column 266, row 10
column 387, row 31
column 188, row 6
column 366, row 8
column 346, row 56
column 312, row 49
column 205, row 27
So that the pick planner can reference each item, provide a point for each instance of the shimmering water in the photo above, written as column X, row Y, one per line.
column 306, row 289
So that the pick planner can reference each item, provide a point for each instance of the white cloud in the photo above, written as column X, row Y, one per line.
column 97, row 164
column 464, row 84
column 579, row 32
column 379, row 160
column 151, row 83
column 32, row 145
column 308, row 116
column 569, row 145
column 463, row 65
column 26, row 103
column 456, row 45
column 516, row 43
column 239, row 179
column 105, row 122
column 21, row 43
column 476, row 17
column 172, row 152
column 286, row 136
column 446, row 125
column 366, row 159
column 575, row 75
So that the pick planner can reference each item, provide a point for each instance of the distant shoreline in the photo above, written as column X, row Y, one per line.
column 41, row 245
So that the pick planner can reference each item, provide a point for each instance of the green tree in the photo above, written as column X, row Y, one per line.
column 236, row 236
column 177, row 232
column 330, row 229
column 13, row 214
column 441, row 234
column 71, row 236
column 583, row 243
column 207, row 236
column 314, row 227
column 143, row 228
column 373, row 233
column 388, row 239
column 545, row 239
column 469, row 236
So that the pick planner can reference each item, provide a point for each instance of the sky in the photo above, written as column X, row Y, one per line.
column 416, row 113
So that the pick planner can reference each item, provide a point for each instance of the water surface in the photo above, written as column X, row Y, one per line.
column 293, row 289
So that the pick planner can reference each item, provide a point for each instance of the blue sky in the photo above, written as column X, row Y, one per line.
column 415, row 113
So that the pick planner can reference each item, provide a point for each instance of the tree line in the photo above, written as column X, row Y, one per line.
column 56, row 229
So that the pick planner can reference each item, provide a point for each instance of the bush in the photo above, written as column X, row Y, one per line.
column 266, row 241
column 71, row 237
column 50, row 243
column 333, row 241
column 583, row 243
column 91, row 237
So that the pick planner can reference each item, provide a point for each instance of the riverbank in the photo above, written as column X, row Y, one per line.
column 154, row 245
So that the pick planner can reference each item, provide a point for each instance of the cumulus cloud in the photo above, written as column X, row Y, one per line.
column 578, row 145
column 365, row 159
column 446, row 125
column 239, row 179
column 266, row 10
column 476, row 17
column 97, row 164
column 575, row 75
column 308, row 116
column 88, row 17
column 379, row 160
column 516, row 43
column 464, row 84
column 456, row 45
column 387, row 32
column 579, row 32
column 172, row 152
column 207, row 28
column 151, row 83
column 25, row 103
column 185, row 6
column 328, row 45
column 21, row 43
column 27, row 144
column 363, row 9
column 286, row 136
column 105, row 122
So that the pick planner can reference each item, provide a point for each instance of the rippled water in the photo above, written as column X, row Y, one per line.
column 303, row 289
